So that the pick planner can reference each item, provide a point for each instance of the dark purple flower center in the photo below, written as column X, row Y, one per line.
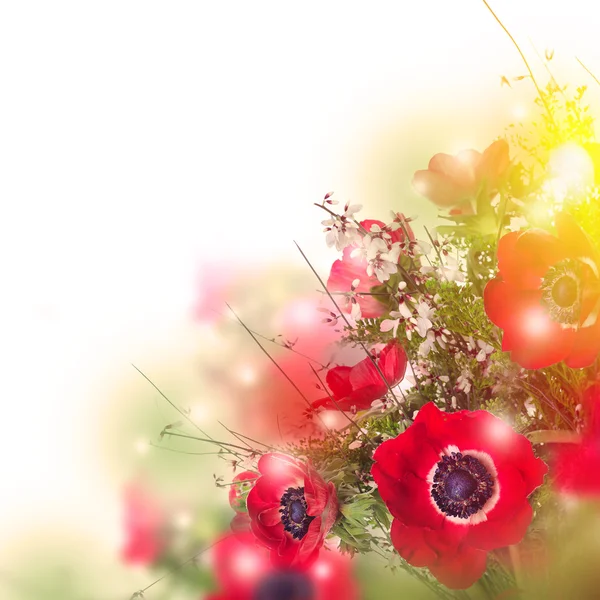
column 285, row 585
column 461, row 485
column 293, row 512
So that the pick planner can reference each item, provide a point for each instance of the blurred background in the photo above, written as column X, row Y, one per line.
column 157, row 160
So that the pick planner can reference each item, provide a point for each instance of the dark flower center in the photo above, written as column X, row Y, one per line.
column 561, row 292
column 293, row 512
column 285, row 585
column 564, row 291
column 461, row 485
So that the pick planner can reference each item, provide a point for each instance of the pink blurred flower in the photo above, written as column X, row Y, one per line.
column 244, row 572
column 577, row 466
column 453, row 181
column 144, row 523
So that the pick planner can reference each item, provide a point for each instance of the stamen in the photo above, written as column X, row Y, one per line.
column 461, row 485
column 293, row 512
column 561, row 293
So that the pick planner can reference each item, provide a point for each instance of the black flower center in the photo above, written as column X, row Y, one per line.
column 564, row 291
column 461, row 485
column 293, row 512
column 285, row 585
column 561, row 292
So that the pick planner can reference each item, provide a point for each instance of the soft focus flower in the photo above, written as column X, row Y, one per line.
column 291, row 509
column 576, row 467
column 244, row 571
column 238, row 491
column 453, row 181
column 144, row 524
column 353, row 267
column 457, row 486
column 360, row 385
column 546, row 296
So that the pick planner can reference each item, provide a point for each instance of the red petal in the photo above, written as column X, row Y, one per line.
column 461, row 569
column 411, row 545
column 316, row 493
column 344, row 272
column 338, row 380
column 586, row 347
column 504, row 532
column 410, row 451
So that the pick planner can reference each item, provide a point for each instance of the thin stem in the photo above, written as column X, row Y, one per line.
column 181, row 412
column 302, row 395
column 589, row 72
column 210, row 441
column 512, row 39
column 274, row 341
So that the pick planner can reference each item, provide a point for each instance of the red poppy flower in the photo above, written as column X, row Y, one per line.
column 546, row 296
column 457, row 486
column 244, row 572
column 576, row 467
column 361, row 384
column 144, row 527
column 453, row 181
column 291, row 509
column 345, row 271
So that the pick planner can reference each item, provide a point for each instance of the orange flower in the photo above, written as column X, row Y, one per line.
column 454, row 181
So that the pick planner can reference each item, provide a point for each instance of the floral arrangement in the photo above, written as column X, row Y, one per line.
column 457, row 441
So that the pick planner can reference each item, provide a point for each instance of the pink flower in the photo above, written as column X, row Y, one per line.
column 577, row 466
column 350, row 268
column 361, row 385
column 453, row 181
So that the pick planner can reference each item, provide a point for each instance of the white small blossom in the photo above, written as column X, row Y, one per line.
column 530, row 407
column 382, row 260
column 463, row 383
column 340, row 233
column 426, row 346
column 484, row 350
column 423, row 322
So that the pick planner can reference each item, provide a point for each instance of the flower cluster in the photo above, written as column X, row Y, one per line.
column 461, row 402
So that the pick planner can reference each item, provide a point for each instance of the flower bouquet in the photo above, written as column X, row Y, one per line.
column 459, row 440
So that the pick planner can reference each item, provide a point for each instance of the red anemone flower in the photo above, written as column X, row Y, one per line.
column 546, row 296
column 453, row 181
column 360, row 385
column 576, row 467
column 291, row 509
column 457, row 486
column 144, row 527
column 244, row 572
column 345, row 271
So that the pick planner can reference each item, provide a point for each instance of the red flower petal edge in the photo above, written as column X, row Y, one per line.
column 359, row 386
column 291, row 509
column 457, row 486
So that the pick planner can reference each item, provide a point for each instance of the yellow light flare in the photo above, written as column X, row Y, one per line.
column 571, row 167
